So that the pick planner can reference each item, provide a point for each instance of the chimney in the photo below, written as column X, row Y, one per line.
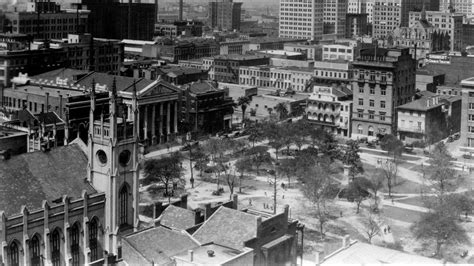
column 180, row 10
column 235, row 201
column 14, row 86
column 286, row 210
column 319, row 256
column 191, row 255
column 184, row 201
column 207, row 211
column 60, row 106
column 346, row 241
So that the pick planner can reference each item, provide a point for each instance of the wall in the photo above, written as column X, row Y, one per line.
column 16, row 143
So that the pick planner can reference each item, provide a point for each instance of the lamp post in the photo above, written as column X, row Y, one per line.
column 188, row 143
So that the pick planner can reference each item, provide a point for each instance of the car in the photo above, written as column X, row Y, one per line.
column 408, row 147
column 425, row 152
column 467, row 156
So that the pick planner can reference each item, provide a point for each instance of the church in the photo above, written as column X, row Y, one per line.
column 71, row 205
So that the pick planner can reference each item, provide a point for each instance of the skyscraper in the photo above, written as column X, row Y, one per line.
column 224, row 15
column 301, row 19
column 361, row 7
column 334, row 17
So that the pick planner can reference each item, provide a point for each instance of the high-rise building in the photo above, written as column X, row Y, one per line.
column 224, row 15
column 465, row 7
column 361, row 7
column 452, row 23
column 356, row 25
column 467, row 115
column 390, row 14
column 382, row 80
column 45, row 20
column 334, row 17
column 117, row 19
column 301, row 19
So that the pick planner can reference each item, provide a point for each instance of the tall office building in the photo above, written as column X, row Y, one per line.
column 361, row 7
column 465, row 7
column 334, row 17
column 224, row 15
column 301, row 19
column 390, row 14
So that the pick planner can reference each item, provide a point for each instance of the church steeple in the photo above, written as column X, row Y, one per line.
column 423, row 12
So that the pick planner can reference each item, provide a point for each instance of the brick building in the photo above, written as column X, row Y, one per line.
column 383, row 79
column 225, row 68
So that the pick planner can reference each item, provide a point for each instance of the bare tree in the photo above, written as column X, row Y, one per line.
column 376, row 184
column 390, row 171
column 371, row 227
column 230, row 178
column 243, row 165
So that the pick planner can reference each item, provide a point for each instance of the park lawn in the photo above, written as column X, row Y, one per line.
column 382, row 153
column 416, row 201
column 400, row 214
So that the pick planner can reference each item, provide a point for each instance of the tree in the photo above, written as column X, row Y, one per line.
column 256, row 133
column 243, row 102
column 376, row 184
column 319, row 190
column 259, row 155
column 440, row 226
column 351, row 158
column 276, row 136
column 166, row 170
column 392, row 145
column 325, row 142
column 288, row 167
column 201, row 159
column 282, row 110
column 299, row 131
column 243, row 165
column 371, row 227
column 216, row 148
column 230, row 178
column 390, row 171
column 357, row 190
column 442, row 173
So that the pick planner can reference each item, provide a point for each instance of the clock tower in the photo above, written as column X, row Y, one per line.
column 113, row 166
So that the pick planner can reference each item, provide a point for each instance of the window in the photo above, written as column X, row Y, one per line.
column 471, row 129
column 383, row 91
column 471, row 106
column 382, row 116
column 361, row 101
column 360, row 114
column 75, row 250
column 382, row 104
column 371, row 131
column 14, row 256
column 361, row 89
column 56, row 248
column 93, row 245
column 123, row 199
column 360, row 130
column 371, row 103
column 372, row 90
column 471, row 117
column 35, row 253
column 371, row 115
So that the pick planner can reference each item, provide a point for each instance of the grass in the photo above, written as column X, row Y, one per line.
column 382, row 153
column 399, row 214
column 416, row 201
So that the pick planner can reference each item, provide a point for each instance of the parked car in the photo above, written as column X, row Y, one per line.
column 408, row 147
column 467, row 156
column 371, row 144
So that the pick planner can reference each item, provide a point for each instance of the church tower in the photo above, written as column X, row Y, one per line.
column 113, row 165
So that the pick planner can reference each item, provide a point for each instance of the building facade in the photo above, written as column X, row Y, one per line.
column 459, row 6
column 361, row 7
column 387, row 15
column 383, row 79
column 277, row 78
column 179, row 28
column 356, row 25
column 224, row 15
column 334, row 17
column 467, row 116
column 339, row 52
column 301, row 19
column 451, row 23
column 225, row 68
column 330, row 108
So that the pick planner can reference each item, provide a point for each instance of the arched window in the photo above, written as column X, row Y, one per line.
column 123, row 199
column 56, row 248
column 14, row 254
column 93, row 234
column 35, row 252
column 75, row 249
column 360, row 130
column 371, row 131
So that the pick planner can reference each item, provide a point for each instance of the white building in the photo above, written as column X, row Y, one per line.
column 387, row 15
column 332, row 71
column 465, row 7
column 313, row 51
column 339, row 52
column 277, row 78
column 450, row 22
column 301, row 19
column 334, row 17
column 361, row 7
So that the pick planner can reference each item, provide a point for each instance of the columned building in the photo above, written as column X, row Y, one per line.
column 382, row 80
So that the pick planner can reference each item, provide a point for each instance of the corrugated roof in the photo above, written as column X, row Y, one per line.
column 176, row 217
column 28, row 179
column 228, row 227
column 160, row 244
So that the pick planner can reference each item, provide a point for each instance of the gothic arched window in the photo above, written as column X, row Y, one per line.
column 123, row 199
column 93, row 234
column 14, row 254
column 35, row 252
column 74, row 238
column 56, row 248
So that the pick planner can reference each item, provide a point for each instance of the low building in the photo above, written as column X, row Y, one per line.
column 13, row 141
column 225, row 68
column 263, row 104
column 467, row 116
column 268, row 43
column 178, row 28
column 205, row 108
column 330, row 107
column 173, row 74
column 312, row 51
column 234, row 46
column 282, row 54
column 429, row 119
column 332, row 71
column 189, row 48
column 340, row 52
column 455, row 90
column 213, row 254
column 427, row 80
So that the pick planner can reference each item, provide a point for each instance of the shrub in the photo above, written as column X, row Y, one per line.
column 419, row 144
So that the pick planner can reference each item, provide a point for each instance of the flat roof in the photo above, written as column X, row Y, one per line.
column 6, row 132
column 200, row 254
column 280, row 52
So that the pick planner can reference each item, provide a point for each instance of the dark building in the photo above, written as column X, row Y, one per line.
column 224, row 15
column 112, row 19
column 179, row 28
column 205, row 108
column 173, row 51
column 175, row 75
column 467, row 34
column 356, row 25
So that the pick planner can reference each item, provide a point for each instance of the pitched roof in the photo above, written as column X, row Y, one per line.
column 63, row 73
column 422, row 104
column 366, row 254
column 29, row 178
column 159, row 244
column 202, row 86
column 49, row 118
column 228, row 227
column 123, row 83
column 176, row 217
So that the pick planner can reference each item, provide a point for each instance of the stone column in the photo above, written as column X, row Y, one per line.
column 160, row 126
column 176, row 117
column 168, row 111
column 153, row 122
column 145, row 128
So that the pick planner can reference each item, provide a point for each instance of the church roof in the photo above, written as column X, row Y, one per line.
column 228, row 227
column 29, row 178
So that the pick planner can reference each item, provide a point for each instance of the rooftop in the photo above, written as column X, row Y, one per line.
column 29, row 178
column 422, row 104
column 454, row 72
column 159, row 244
column 178, row 218
column 220, row 255
column 279, row 52
column 238, row 57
